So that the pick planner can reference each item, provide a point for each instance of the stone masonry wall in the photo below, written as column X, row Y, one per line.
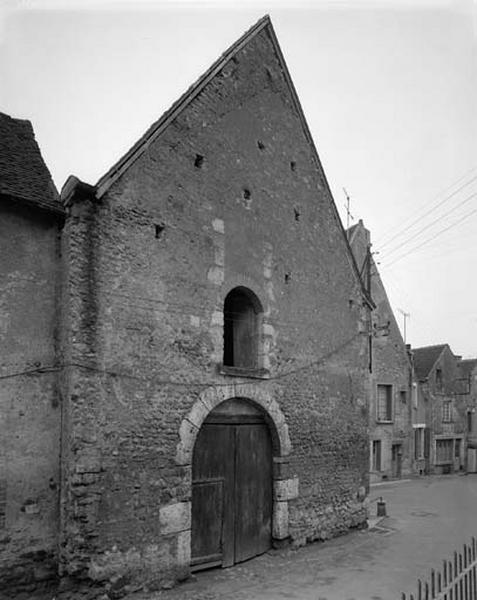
column 390, row 366
column 228, row 195
column 29, row 400
column 434, row 397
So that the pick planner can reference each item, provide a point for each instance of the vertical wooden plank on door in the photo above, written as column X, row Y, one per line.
column 212, row 496
column 207, row 521
column 253, row 491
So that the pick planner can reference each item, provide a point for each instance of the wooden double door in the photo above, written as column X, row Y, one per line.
column 231, row 491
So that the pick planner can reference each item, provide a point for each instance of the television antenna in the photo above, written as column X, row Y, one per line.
column 406, row 316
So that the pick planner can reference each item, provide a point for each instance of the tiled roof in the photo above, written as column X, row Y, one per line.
column 425, row 358
column 24, row 175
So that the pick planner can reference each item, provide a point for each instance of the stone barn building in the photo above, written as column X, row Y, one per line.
column 214, row 343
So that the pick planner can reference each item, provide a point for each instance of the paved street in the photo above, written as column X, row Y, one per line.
column 427, row 519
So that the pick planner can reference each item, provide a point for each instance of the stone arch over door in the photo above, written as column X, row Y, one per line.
column 285, row 487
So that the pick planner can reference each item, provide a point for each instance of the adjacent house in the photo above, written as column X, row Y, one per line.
column 442, row 404
column 30, row 414
column 203, row 394
column 391, row 438
column 467, row 387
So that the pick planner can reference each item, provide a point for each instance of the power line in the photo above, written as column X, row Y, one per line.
column 431, row 209
column 466, row 216
column 417, row 233
column 422, row 318
column 60, row 367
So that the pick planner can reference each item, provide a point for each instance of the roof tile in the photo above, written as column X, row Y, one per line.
column 24, row 175
column 425, row 358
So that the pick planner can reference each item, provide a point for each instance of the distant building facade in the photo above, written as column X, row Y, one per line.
column 442, row 403
column 391, row 434
column 467, row 387
column 202, row 394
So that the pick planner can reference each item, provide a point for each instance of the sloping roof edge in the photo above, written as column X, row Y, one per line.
column 444, row 346
column 45, row 207
column 74, row 190
column 24, row 174
column 309, row 138
column 107, row 180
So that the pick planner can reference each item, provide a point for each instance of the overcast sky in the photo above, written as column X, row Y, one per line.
column 389, row 90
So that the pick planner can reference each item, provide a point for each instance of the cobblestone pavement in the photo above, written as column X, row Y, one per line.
column 428, row 518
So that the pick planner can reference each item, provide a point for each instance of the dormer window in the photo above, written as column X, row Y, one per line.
column 384, row 412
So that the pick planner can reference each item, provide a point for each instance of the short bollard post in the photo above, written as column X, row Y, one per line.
column 381, row 508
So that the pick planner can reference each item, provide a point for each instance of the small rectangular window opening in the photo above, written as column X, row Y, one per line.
column 439, row 379
column 385, row 403
column 447, row 411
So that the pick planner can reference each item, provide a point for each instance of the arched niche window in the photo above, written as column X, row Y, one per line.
column 242, row 312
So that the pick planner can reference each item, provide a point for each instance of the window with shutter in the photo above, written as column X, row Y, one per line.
column 384, row 403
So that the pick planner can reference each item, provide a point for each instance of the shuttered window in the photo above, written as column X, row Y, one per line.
column 385, row 403
column 419, row 443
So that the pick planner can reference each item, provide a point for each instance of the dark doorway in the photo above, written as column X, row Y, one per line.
column 396, row 461
column 376, row 461
column 231, row 487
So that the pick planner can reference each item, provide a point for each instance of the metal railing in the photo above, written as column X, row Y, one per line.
column 456, row 580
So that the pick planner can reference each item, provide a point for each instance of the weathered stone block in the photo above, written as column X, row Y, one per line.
column 268, row 329
column 286, row 489
column 183, row 549
column 218, row 225
column 281, row 467
column 217, row 320
column 280, row 520
column 175, row 518
column 216, row 275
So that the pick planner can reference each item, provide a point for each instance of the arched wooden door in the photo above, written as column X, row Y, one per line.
column 231, row 487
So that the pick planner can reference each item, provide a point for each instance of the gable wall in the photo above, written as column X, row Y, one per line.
column 448, row 365
column 157, row 336
column 435, row 397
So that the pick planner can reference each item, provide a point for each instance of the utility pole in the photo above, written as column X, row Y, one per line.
column 348, row 213
column 406, row 316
